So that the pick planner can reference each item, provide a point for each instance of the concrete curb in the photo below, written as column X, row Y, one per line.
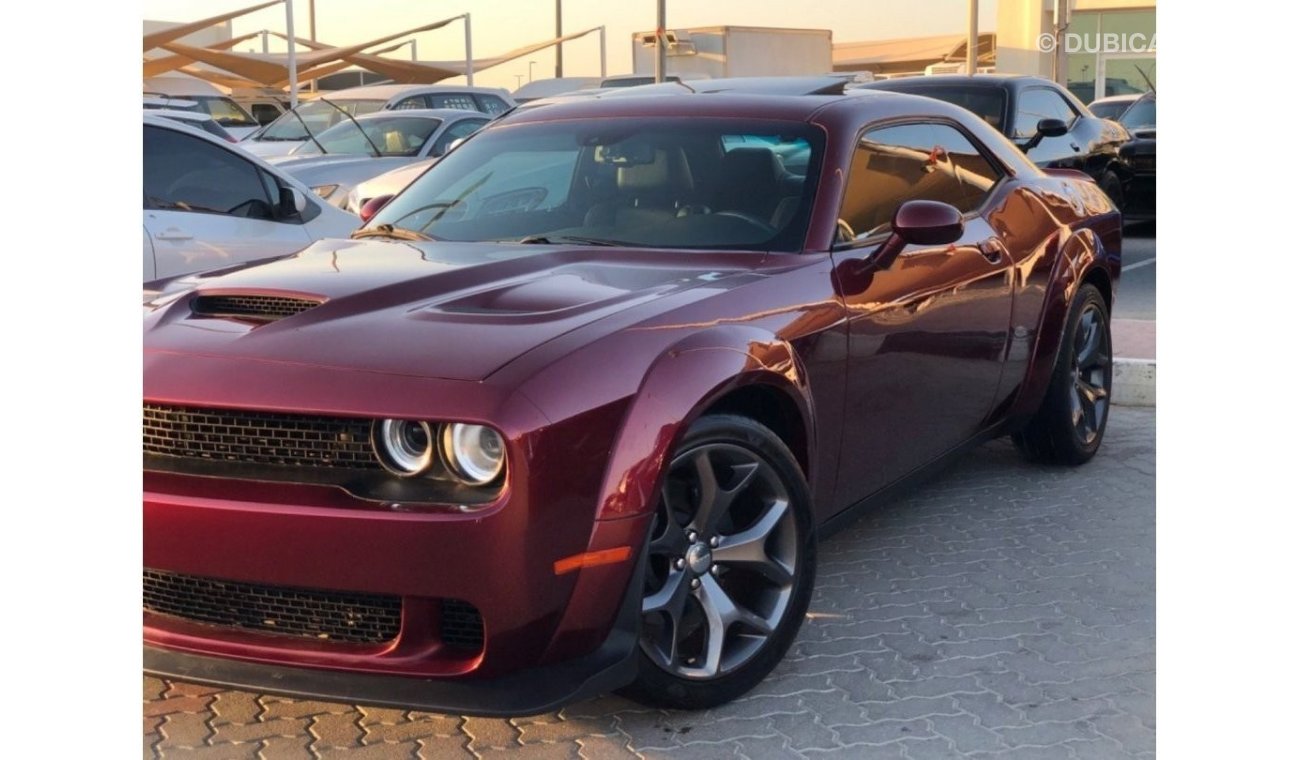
column 1133, row 382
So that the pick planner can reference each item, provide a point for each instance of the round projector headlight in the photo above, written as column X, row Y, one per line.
column 476, row 454
column 404, row 447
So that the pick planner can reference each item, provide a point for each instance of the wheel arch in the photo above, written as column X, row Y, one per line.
column 731, row 369
column 1084, row 258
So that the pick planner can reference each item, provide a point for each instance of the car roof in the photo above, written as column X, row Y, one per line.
column 446, row 114
column 741, row 104
column 389, row 91
column 172, row 113
column 952, row 80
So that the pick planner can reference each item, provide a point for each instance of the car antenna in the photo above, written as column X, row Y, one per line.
column 1146, row 78
column 310, row 136
column 355, row 123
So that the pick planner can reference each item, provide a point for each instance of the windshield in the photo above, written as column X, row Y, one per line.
column 224, row 111
column 1141, row 116
column 391, row 136
column 318, row 115
column 670, row 183
column 1110, row 109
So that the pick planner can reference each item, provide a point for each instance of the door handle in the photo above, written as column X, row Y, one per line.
column 1074, row 147
column 991, row 249
column 174, row 233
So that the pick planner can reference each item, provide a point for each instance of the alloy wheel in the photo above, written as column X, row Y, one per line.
column 722, row 559
column 1091, row 369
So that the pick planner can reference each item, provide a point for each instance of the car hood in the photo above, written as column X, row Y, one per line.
column 268, row 148
column 442, row 310
column 348, row 170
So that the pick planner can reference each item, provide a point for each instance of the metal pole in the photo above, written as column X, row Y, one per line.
column 293, row 54
column 559, row 46
column 311, row 30
column 469, row 54
column 973, row 38
column 602, row 52
column 265, row 49
column 661, row 47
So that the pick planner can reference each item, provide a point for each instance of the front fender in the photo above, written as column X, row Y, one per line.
column 680, row 385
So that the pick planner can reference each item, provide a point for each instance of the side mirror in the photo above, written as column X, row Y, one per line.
column 372, row 207
column 1047, row 128
column 292, row 203
column 919, row 223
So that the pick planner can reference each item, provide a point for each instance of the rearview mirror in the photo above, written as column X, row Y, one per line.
column 372, row 207
column 292, row 202
column 1047, row 128
column 919, row 223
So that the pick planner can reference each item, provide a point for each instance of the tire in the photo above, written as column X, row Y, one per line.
column 1113, row 188
column 1070, row 423
column 745, row 566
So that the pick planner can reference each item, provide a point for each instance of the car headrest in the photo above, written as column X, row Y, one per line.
column 668, row 172
column 744, row 167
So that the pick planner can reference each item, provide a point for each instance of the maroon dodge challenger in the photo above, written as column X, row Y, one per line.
column 569, row 413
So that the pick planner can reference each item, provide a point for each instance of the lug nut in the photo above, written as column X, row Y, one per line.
column 713, row 569
column 713, row 542
column 692, row 536
column 679, row 563
column 695, row 582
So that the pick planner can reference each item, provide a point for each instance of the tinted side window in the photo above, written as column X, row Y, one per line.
column 893, row 165
column 186, row 173
column 1037, row 104
column 491, row 104
column 414, row 102
column 463, row 101
column 456, row 131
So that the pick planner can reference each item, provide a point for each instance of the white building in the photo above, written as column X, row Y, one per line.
column 1103, row 47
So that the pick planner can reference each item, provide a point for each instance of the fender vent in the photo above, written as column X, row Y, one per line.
column 254, row 308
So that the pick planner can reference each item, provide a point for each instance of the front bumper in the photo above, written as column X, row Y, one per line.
column 527, row 692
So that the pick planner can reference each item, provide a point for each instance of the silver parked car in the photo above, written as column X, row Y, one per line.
column 360, row 148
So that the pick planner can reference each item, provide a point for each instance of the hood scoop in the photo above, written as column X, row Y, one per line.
column 251, row 307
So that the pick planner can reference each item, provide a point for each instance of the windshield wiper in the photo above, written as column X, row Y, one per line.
column 389, row 231
column 544, row 240
column 310, row 136
column 373, row 147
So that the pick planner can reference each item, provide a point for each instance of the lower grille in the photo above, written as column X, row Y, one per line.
column 462, row 625
column 341, row 616
column 295, row 440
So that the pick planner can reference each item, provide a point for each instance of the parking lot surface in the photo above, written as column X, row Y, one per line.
column 1004, row 610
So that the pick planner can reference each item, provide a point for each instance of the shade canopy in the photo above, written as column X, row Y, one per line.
column 160, row 38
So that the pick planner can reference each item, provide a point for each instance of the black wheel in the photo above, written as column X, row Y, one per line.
column 730, row 566
column 1113, row 188
column 1070, row 423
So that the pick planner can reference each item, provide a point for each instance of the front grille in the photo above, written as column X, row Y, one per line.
column 341, row 616
column 462, row 625
column 258, row 437
column 252, row 307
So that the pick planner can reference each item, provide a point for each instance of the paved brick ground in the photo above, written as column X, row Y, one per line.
column 1003, row 611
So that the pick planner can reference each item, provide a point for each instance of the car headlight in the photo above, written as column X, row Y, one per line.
column 404, row 447
column 474, row 453
column 325, row 191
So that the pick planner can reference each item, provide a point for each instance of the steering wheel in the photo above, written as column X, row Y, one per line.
column 757, row 221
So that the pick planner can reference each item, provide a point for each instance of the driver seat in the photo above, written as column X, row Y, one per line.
column 646, row 193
